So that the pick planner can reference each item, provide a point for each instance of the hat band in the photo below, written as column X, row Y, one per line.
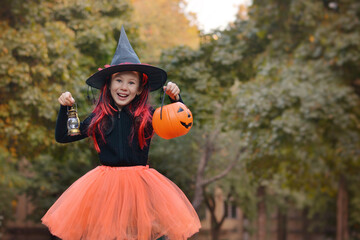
column 107, row 65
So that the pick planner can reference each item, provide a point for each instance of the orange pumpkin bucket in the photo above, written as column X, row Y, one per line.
column 172, row 120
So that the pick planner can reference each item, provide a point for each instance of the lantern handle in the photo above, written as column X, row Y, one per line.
column 69, row 107
column 162, row 104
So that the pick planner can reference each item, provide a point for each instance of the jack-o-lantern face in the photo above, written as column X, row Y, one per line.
column 175, row 120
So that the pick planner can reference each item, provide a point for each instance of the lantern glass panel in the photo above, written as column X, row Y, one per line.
column 73, row 123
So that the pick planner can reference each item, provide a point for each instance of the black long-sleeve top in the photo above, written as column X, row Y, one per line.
column 117, row 149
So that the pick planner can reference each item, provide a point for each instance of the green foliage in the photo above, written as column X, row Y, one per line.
column 286, row 81
column 48, row 47
column 301, row 110
column 54, row 175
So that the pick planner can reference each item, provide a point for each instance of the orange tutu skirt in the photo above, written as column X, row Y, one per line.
column 122, row 203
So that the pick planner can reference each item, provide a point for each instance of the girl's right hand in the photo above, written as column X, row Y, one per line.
column 66, row 99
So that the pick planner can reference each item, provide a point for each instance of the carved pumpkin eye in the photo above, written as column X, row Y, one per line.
column 180, row 109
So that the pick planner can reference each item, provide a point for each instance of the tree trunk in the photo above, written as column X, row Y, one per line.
column 199, row 182
column 281, row 220
column 199, row 187
column 305, row 225
column 261, row 221
column 198, row 196
column 215, row 231
column 215, row 223
column 342, row 230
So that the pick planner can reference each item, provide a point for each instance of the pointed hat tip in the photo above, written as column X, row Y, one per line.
column 124, row 52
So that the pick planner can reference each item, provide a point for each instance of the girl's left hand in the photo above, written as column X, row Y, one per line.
column 172, row 90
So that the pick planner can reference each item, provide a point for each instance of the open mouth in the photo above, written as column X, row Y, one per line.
column 122, row 96
column 186, row 125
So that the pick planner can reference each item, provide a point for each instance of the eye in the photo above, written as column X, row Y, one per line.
column 180, row 110
column 131, row 82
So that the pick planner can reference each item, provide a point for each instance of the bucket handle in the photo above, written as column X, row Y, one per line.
column 162, row 104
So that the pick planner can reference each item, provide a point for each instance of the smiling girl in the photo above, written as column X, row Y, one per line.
column 123, row 198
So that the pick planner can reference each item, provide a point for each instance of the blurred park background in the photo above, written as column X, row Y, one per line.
column 274, row 152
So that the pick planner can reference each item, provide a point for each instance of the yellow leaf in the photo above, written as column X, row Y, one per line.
column 311, row 38
column 14, row 203
column 11, row 71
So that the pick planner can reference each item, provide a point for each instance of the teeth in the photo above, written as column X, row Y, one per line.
column 122, row 95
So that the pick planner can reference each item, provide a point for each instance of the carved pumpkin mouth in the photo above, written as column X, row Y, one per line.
column 173, row 120
column 186, row 125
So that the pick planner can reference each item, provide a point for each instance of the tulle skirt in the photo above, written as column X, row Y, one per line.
column 122, row 203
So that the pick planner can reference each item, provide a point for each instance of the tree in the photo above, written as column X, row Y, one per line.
column 289, row 72
column 318, row 107
column 48, row 47
column 207, row 91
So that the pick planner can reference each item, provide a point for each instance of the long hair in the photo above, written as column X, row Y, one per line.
column 139, row 109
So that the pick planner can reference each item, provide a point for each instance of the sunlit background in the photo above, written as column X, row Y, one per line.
column 214, row 14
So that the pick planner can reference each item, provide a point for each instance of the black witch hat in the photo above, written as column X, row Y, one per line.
column 125, row 59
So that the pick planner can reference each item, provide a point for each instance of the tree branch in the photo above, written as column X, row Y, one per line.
column 210, row 202
column 208, row 149
column 227, row 170
column 226, row 208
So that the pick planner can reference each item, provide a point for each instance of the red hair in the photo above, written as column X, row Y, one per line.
column 139, row 108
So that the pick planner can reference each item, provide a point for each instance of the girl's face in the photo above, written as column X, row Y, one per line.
column 124, row 87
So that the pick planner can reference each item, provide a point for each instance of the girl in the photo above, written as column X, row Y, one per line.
column 122, row 199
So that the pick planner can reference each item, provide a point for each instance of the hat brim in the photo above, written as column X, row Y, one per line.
column 156, row 76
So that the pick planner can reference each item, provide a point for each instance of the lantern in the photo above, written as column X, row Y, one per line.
column 172, row 120
column 73, row 123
